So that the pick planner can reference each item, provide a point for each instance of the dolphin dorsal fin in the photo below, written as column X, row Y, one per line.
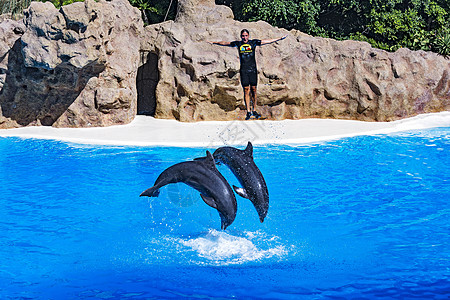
column 249, row 150
column 209, row 160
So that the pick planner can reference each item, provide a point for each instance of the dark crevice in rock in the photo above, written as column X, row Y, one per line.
column 146, row 82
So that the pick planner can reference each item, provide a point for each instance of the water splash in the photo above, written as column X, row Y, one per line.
column 221, row 248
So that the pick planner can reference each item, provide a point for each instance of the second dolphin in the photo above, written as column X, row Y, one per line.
column 241, row 163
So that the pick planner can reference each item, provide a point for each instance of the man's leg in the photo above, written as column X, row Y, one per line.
column 253, row 78
column 247, row 98
column 247, row 81
column 247, row 101
column 253, row 98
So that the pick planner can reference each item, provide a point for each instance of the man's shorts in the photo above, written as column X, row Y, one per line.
column 249, row 78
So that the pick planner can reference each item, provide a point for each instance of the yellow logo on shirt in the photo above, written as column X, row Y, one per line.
column 245, row 48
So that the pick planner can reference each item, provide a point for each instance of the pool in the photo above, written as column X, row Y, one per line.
column 359, row 217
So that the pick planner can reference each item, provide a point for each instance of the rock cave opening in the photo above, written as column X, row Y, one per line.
column 146, row 81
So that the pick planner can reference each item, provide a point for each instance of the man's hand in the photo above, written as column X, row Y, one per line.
column 265, row 42
column 221, row 43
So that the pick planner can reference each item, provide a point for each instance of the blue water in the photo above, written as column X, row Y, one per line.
column 363, row 217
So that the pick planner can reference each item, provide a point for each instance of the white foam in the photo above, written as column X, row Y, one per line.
column 147, row 131
column 221, row 248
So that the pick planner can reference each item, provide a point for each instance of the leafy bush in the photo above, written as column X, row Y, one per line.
column 288, row 14
column 441, row 43
column 385, row 24
column 156, row 11
column 13, row 7
column 59, row 3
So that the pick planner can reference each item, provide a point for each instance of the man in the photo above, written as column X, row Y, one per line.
column 248, row 70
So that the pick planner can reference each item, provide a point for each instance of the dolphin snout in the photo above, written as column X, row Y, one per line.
column 224, row 224
column 225, row 221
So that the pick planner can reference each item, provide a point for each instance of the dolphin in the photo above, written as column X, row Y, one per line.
column 254, row 187
column 203, row 176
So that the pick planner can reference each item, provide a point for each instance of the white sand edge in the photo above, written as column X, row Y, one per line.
column 148, row 131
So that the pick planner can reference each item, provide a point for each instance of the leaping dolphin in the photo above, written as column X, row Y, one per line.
column 254, row 187
column 203, row 176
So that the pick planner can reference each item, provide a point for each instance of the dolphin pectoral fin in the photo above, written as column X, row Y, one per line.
column 241, row 192
column 151, row 192
column 208, row 200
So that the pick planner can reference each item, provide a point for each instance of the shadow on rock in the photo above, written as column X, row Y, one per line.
column 38, row 96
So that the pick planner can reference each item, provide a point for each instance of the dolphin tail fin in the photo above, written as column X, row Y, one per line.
column 241, row 192
column 208, row 200
column 151, row 192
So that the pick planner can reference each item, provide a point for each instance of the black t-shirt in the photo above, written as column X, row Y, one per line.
column 247, row 54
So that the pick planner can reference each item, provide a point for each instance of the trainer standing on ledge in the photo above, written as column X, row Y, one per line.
column 248, row 70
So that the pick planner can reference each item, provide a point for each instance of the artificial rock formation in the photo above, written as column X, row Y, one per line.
column 72, row 67
column 94, row 64
column 301, row 76
column 10, row 32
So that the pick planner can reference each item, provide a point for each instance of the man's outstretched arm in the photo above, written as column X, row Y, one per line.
column 265, row 42
column 221, row 43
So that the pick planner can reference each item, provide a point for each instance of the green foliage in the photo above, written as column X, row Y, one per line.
column 156, row 11
column 59, row 3
column 441, row 43
column 289, row 14
column 341, row 18
column 386, row 24
column 13, row 7
column 153, row 11
column 398, row 28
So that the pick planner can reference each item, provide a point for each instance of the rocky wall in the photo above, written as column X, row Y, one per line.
column 94, row 64
column 70, row 67
column 299, row 77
